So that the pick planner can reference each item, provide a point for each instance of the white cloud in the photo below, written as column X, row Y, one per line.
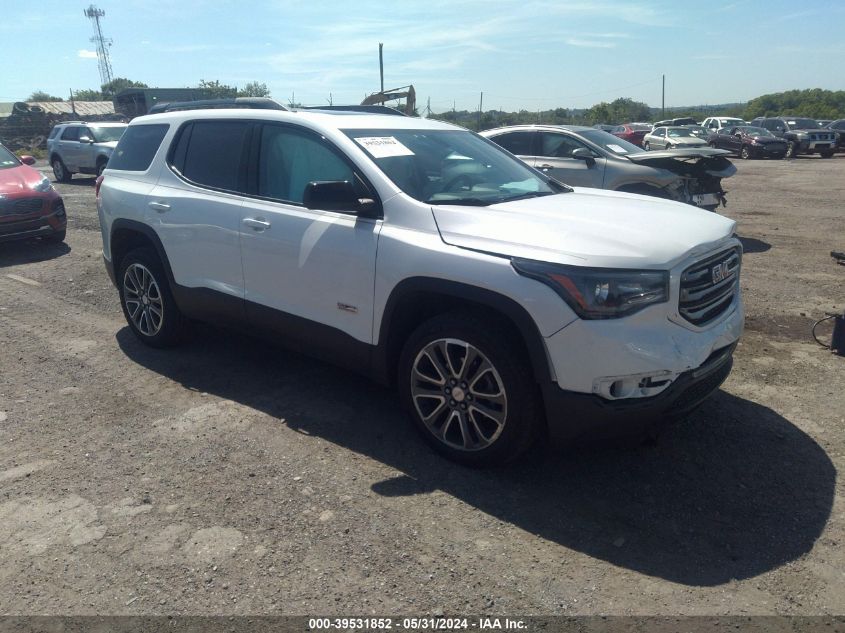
column 84, row 54
column 574, row 41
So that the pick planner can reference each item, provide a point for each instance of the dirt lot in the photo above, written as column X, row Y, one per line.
column 229, row 477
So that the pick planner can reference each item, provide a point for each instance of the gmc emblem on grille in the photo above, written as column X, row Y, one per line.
column 720, row 272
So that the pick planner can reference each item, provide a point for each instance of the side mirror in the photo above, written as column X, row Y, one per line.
column 86, row 139
column 337, row 195
column 582, row 153
column 27, row 160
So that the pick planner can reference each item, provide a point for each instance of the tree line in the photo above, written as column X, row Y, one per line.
column 213, row 88
column 814, row 103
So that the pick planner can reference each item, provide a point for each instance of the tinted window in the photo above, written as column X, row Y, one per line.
column 558, row 145
column 290, row 159
column 838, row 125
column 7, row 159
column 518, row 143
column 214, row 153
column 137, row 147
column 71, row 134
column 53, row 132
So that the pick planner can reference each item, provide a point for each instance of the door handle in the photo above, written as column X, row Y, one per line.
column 257, row 224
column 161, row 207
column 546, row 167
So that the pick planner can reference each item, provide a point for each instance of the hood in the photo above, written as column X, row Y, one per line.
column 18, row 179
column 588, row 227
column 688, row 161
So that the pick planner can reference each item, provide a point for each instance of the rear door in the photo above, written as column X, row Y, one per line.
column 69, row 147
column 196, row 206
column 555, row 158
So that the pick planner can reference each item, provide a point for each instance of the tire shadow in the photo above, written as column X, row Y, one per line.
column 733, row 492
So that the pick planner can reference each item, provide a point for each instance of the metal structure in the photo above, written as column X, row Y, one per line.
column 94, row 14
column 379, row 98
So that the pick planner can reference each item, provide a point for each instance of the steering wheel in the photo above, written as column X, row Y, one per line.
column 457, row 180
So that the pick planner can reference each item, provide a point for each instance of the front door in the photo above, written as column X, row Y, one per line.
column 308, row 273
column 554, row 158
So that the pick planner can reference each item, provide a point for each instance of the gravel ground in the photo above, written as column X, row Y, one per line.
column 231, row 477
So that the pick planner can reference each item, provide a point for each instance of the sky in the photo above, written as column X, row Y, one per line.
column 522, row 54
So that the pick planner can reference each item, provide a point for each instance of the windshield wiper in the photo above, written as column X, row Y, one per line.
column 531, row 194
column 466, row 202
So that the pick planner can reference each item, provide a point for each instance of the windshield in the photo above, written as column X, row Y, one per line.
column 756, row 131
column 803, row 124
column 451, row 166
column 677, row 132
column 7, row 159
column 701, row 132
column 107, row 134
column 610, row 143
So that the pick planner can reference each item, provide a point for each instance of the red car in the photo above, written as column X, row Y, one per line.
column 632, row 132
column 29, row 206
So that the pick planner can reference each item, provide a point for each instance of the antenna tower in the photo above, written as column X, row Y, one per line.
column 94, row 14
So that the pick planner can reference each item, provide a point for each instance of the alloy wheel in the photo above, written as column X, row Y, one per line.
column 458, row 394
column 142, row 298
column 58, row 170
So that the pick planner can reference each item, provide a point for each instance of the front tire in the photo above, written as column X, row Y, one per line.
column 791, row 149
column 745, row 153
column 146, row 299
column 469, row 389
column 646, row 146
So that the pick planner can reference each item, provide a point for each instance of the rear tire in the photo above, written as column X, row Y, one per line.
column 101, row 167
column 146, row 299
column 469, row 389
column 60, row 170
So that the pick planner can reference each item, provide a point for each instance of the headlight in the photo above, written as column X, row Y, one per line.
column 599, row 293
column 44, row 185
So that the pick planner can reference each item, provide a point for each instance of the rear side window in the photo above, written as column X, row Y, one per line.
column 517, row 143
column 212, row 153
column 70, row 134
column 137, row 147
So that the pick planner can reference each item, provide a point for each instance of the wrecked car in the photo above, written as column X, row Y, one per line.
column 586, row 157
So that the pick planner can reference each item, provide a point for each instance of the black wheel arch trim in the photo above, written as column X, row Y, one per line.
column 385, row 360
column 124, row 224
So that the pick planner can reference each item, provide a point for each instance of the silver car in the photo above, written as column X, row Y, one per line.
column 585, row 157
column 672, row 137
column 83, row 148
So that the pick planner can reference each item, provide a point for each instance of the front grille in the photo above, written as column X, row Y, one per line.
column 20, row 206
column 708, row 287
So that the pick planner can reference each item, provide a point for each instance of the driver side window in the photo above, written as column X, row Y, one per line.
column 558, row 145
column 289, row 160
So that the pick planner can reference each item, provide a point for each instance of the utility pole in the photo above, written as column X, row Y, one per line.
column 480, row 106
column 663, row 100
column 94, row 14
column 381, row 65
column 72, row 104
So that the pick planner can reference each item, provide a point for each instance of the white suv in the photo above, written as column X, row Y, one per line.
column 501, row 304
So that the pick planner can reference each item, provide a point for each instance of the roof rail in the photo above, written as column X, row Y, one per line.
column 366, row 109
column 257, row 103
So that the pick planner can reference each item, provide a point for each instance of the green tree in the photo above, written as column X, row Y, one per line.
column 88, row 95
column 40, row 95
column 814, row 103
column 119, row 84
column 216, row 90
column 254, row 89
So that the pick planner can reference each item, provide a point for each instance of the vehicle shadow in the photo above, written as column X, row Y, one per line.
column 30, row 251
column 731, row 493
column 79, row 181
column 753, row 245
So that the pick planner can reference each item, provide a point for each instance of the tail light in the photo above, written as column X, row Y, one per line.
column 97, row 184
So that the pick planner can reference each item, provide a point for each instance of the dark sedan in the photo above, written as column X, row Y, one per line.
column 632, row 132
column 749, row 142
